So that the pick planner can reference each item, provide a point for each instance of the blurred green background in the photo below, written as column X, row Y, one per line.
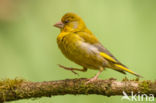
column 28, row 47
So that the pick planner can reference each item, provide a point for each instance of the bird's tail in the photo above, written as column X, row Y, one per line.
column 123, row 68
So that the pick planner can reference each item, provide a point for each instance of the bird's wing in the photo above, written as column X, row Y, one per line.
column 91, row 39
column 105, row 53
column 118, row 66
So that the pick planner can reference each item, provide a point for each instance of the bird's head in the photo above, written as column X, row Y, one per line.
column 70, row 22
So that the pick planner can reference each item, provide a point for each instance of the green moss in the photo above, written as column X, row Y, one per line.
column 9, row 84
column 125, row 79
column 144, row 86
column 137, row 79
column 84, row 87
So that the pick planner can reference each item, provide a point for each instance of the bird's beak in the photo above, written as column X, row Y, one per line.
column 59, row 25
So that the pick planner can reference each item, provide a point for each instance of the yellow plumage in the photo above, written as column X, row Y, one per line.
column 78, row 44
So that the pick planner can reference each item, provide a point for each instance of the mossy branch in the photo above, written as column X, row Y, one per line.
column 20, row 89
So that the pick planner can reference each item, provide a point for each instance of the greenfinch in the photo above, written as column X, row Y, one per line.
column 78, row 44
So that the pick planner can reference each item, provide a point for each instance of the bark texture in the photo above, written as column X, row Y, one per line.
column 20, row 89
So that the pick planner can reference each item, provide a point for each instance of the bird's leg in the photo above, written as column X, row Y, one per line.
column 96, row 76
column 73, row 69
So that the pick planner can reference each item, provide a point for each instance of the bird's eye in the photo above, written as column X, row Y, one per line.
column 66, row 21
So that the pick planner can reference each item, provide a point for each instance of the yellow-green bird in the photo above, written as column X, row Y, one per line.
column 79, row 45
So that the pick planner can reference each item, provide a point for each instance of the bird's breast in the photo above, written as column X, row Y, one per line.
column 68, row 44
column 80, row 52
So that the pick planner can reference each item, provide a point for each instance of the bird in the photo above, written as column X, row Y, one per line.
column 80, row 45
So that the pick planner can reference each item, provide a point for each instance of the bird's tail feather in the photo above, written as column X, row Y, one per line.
column 123, row 68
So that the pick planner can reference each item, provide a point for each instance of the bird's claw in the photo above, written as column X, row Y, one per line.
column 91, row 80
column 67, row 68
column 74, row 72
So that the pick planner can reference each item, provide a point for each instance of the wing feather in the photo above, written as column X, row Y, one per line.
column 91, row 39
column 106, row 54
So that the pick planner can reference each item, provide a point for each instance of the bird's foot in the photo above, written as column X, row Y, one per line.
column 68, row 68
column 92, row 80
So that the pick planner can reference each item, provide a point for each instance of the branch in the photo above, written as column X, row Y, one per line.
column 20, row 89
